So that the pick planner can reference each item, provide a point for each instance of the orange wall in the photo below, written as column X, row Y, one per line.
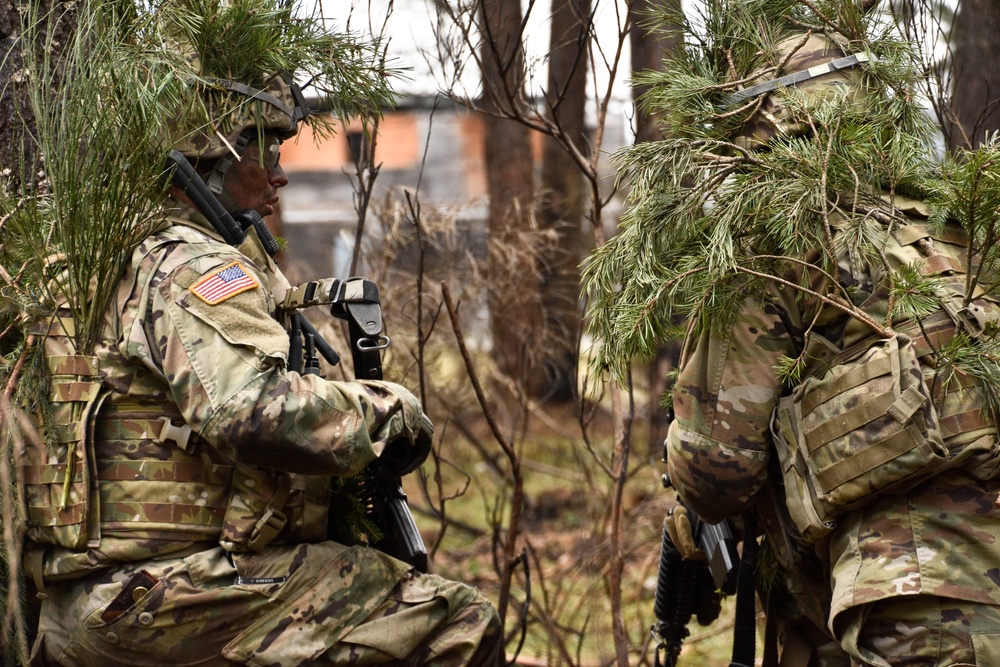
column 398, row 146
column 473, row 153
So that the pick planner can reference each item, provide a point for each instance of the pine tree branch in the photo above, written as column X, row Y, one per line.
column 833, row 25
column 15, row 374
column 854, row 312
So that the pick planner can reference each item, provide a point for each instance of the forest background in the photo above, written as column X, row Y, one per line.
column 544, row 485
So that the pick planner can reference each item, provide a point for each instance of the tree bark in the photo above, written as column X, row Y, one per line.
column 14, row 102
column 562, row 201
column 976, row 73
column 17, row 152
column 513, row 300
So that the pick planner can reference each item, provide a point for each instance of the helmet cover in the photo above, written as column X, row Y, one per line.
column 277, row 108
column 809, row 59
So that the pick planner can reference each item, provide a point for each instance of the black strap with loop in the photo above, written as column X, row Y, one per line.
column 745, row 626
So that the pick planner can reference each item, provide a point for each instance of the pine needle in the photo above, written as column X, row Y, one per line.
column 702, row 213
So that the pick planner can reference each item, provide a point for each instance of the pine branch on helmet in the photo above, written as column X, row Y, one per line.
column 775, row 115
column 811, row 68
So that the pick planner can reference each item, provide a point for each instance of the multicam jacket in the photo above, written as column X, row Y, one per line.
column 202, row 436
column 938, row 538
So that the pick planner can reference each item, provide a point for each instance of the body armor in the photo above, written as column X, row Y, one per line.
column 123, row 478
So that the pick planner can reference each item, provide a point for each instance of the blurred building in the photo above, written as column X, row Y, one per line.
column 429, row 145
column 435, row 151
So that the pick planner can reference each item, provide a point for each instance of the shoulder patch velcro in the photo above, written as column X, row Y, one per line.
column 220, row 284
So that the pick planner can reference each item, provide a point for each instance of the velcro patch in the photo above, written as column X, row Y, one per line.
column 223, row 283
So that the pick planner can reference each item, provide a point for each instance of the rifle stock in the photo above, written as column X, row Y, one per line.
column 391, row 513
column 687, row 587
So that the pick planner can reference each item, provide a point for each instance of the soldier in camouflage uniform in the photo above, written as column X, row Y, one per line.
column 911, row 578
column 211, row 463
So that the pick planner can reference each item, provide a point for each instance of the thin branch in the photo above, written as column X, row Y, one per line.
column 517, row 498
column 18, row 368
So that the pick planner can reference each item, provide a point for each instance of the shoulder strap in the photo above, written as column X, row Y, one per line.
column 745, row 626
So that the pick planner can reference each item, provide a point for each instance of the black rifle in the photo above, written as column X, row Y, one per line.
column 686, row 588
column 356, row 301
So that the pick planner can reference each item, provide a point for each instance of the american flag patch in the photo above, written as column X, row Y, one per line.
column 223, row 283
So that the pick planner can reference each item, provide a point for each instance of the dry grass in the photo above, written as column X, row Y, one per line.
column 560, row 610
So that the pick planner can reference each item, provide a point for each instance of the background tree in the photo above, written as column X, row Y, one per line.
column 611, row 465
column 562, row 202
column 513, row 300
column 975, row 73
column 471, row 33
column 652, row 39
column 13, row 103
column 962, row 79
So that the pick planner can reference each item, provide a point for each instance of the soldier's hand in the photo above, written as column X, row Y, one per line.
column 678, row 526
column 406, row 435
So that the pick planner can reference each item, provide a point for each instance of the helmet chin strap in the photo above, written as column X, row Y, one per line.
column 216, row 179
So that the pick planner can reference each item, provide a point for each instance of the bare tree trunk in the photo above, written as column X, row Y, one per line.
column 976, row 73
column 563, row 200
column 10, row 102
column 513, row 305
column 14, row 102
column 648, row 52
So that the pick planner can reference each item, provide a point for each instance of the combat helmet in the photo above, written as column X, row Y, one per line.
column 812, row 66
column 238, row 113
column 276, row 108
column 228, row 69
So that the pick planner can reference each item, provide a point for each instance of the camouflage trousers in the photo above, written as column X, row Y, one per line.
column 922, row 631
column 287, row 606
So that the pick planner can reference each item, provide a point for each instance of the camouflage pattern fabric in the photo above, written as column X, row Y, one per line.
column 291, row 605
column 463, row 628
column 928, row 631
column 245, row 437
column 938, row 539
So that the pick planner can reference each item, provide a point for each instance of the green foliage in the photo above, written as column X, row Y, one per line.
column 913, row 295
column 91, row 198
column 980, row 362
column 708, row 222
column 969, row 191
column 249, row 41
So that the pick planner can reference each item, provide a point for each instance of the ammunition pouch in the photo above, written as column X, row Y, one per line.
column 57, row 474
column 863, row 427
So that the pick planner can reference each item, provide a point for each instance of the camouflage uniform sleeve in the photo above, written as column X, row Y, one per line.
column 726, row 389
column 225, row 365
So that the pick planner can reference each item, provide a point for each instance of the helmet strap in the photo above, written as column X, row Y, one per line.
column 216, row 178
column 797, row 77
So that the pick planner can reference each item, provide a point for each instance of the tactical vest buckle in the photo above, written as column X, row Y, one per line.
column 181, row 435
column 266, row 529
